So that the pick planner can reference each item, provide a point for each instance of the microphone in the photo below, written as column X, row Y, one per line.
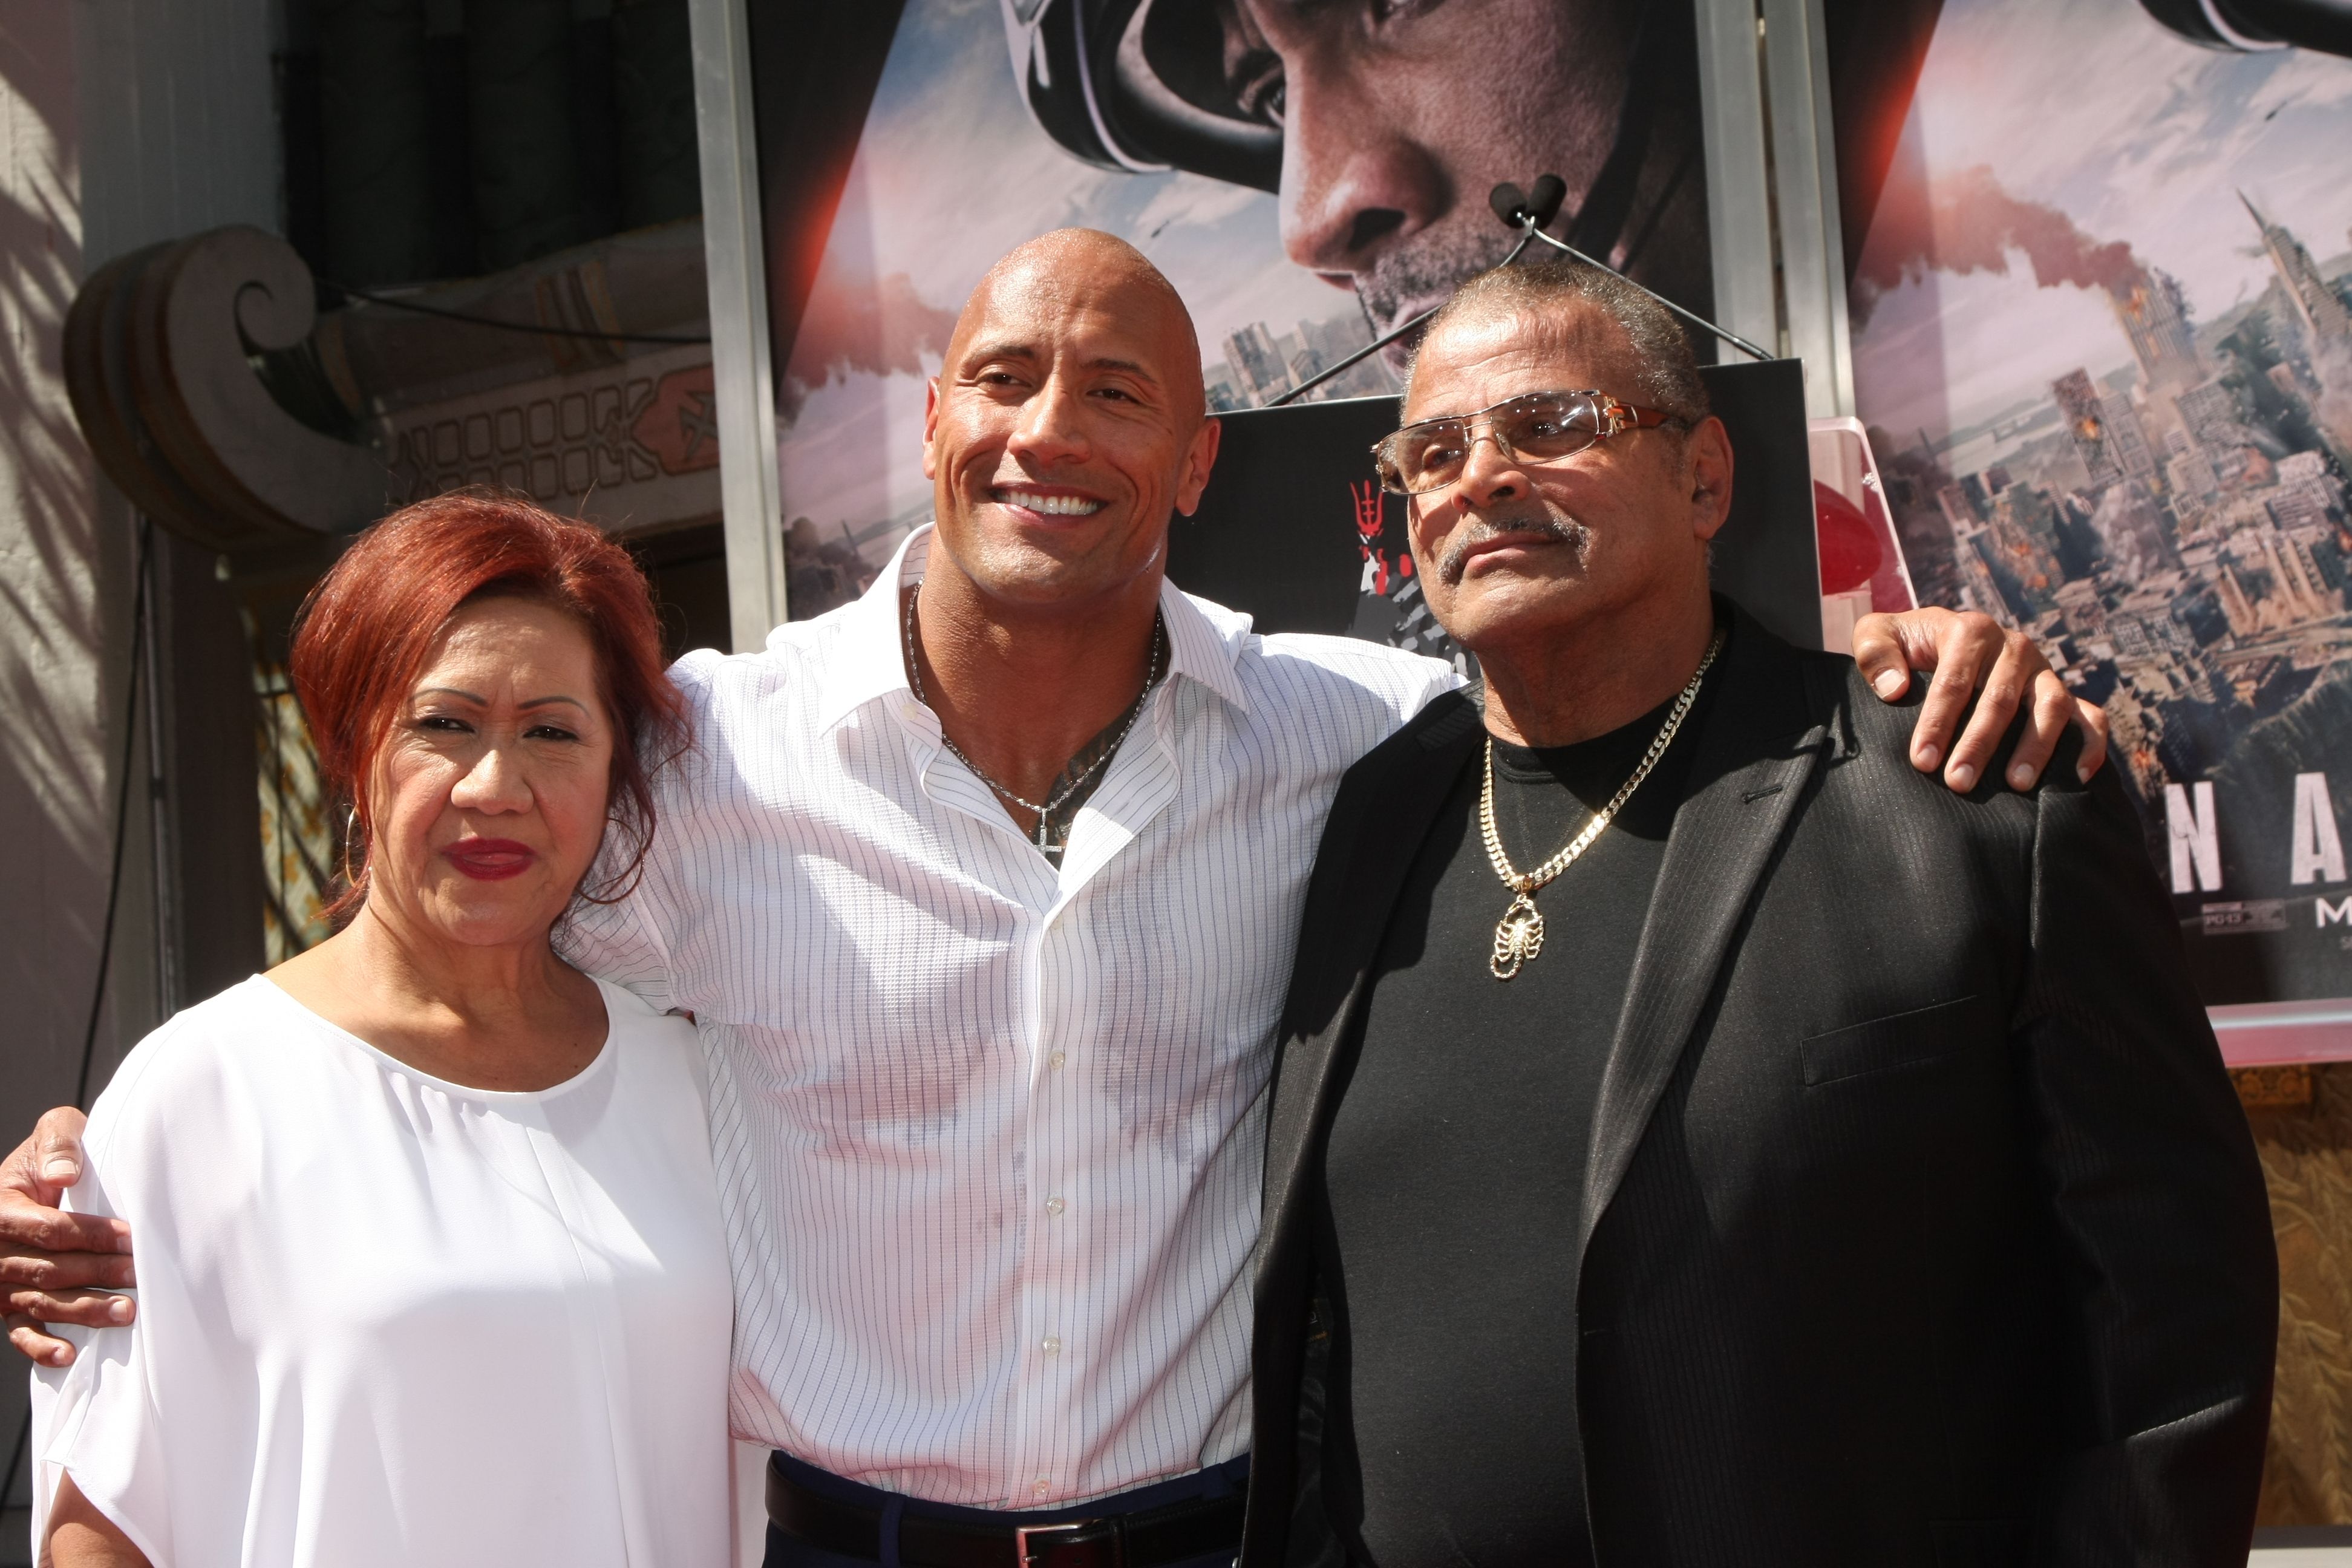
column 1544, row 199
column 1538, row 204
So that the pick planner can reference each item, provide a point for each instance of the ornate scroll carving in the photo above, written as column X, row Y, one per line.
column 159, row 364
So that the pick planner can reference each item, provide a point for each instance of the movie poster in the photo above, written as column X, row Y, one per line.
column 1306, row 177
column 2099, row 296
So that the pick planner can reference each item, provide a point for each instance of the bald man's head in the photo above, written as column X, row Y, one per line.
column 1067, row 425
column 1067, row 266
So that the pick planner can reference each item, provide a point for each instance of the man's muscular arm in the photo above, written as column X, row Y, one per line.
column 1964, row 651
column 55, row 1267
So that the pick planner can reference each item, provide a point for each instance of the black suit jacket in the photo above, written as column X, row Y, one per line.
column 1920, row 1225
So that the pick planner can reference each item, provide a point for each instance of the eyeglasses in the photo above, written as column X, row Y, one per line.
column 1533, row 427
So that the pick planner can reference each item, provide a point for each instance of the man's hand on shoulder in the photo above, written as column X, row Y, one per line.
column 55, row 1267
column 1970, row 653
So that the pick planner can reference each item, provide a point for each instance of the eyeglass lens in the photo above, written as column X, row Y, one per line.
column 1540, row 426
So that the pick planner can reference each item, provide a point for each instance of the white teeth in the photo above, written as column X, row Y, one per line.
column 1052, row 506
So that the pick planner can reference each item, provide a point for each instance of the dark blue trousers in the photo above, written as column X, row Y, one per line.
column 1221, row 1481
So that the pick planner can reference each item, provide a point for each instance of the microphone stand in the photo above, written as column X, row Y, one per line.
column 1734, row 339
column 1531, row 230
column 1385, row 339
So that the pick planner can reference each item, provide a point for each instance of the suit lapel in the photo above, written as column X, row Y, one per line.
column 1358, row 869
column 1756, row 754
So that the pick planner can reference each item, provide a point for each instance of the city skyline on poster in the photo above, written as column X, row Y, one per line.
column 2102, row 337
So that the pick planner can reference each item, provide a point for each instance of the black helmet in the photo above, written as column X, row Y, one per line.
column 2322, row 25
column 1139, row 86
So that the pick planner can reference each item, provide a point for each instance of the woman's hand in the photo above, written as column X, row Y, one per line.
column 1965, row 651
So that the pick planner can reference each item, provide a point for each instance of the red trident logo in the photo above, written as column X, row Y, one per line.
column 1366, row 495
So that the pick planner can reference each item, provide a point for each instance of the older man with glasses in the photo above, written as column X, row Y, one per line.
column 1698, row 1139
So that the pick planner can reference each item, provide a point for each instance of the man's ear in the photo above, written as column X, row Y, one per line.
column 930, row 427
column 1200, row 458
column 1706, row 460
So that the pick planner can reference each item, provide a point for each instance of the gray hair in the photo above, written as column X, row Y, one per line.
column 1665, row 370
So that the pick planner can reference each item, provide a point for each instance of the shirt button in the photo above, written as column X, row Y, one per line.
column 1055, row 1206
column 1042, row 1488
column 1057, row 1060
column 1051, row 1346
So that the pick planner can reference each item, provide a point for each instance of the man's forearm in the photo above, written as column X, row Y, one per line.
column 56, row 1266
column 81, row 1536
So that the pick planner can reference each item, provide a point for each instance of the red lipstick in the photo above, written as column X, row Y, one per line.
column 490, row 859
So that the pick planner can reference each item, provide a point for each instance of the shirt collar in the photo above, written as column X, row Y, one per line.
column 1205, row 639
column 1205, row 642
column 870, row 660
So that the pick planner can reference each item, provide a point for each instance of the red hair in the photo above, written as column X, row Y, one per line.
column 363, row 634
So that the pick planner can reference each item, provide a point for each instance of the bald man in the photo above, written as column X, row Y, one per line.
column 984, row 891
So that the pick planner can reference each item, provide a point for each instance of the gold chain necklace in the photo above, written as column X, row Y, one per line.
column 1518, row 936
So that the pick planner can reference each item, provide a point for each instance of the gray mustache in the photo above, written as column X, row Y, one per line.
column 1560, row 530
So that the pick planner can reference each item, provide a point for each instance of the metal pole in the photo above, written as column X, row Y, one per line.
column 741, row 372
column 1805, row 196
column 159, row 813
column 1738, row 200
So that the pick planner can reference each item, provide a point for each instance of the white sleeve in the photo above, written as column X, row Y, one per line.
column 620, row 942
column 1403, row 683
column 626, row 942
column 100, row 1417
column 1435, row 679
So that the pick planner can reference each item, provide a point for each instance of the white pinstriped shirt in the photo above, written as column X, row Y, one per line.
column 989, row 1135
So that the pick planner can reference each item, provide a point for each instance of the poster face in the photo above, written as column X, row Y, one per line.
column 1306, row 176
column 2101, row 340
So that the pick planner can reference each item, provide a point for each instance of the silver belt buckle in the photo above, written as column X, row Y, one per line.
column 1023, row 1534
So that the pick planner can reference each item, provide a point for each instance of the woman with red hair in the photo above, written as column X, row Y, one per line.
column 441, row 1278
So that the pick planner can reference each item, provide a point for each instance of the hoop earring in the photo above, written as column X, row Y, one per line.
column 355, row 875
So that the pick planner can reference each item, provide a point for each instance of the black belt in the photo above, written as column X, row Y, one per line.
column 1149, row 1538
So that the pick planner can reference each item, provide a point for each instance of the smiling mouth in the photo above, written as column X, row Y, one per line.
column 1045, row 503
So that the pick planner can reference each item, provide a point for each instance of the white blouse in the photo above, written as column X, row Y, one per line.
column 385, row 1320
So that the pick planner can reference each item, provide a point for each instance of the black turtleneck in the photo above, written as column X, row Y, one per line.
column 1453, row 1178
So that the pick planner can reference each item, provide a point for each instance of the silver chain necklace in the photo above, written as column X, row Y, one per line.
column 1060, row 797
column 1518, row 936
